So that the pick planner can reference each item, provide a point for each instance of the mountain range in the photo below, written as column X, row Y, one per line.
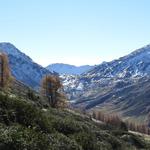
column 68, row 69
column 121, row 85
column 130, row 68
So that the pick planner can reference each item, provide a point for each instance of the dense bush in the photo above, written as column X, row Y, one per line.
column 20, row 138
column 24, row 126
column 14, row 110
column 130, row 138
column 17, row 137
column 31, row 95
column 63, row 143
column 69, row 126
column 87, row 140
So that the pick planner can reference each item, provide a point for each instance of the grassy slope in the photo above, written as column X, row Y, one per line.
column 26, row 125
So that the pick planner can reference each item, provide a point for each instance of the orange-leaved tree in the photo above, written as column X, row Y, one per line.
column 51, row 86
column 5, row 74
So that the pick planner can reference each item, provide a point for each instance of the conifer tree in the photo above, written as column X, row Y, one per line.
column 5, row 75
column 50, row 88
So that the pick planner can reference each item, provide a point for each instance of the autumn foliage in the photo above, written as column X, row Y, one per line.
column 5, row 75
column 115, row 120
column 142, row 128
column 51, row 87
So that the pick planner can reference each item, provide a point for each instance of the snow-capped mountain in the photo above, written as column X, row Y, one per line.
column 22, row 66
column 127, row 69
column 132, row 65
column 68, row 69
column 121, row 86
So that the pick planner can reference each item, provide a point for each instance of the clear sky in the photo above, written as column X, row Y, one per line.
column 75, row 31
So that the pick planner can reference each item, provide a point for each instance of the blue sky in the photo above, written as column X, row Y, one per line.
column 75, row 31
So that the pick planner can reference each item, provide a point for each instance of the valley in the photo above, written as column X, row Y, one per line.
column 121, row 86
column 26, row 111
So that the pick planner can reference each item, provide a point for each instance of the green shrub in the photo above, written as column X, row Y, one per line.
column 69, row 126
column 88, row 141
column 134, row 140
column 20, row 138
column 31, row 95
column 61, row 142
column 25, row 126
column 14, row 110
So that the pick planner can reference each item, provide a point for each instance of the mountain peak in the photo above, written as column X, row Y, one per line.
column 22, row 67
column 7, row 43
column 9, row 49
column 68, row 69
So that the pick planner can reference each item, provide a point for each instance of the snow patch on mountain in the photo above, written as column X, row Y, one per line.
column 121, row 72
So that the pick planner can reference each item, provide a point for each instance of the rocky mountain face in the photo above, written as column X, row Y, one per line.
column 120, row 86
column 68, row 69
column 22, row 66
column 126, row 69
column 133, row 65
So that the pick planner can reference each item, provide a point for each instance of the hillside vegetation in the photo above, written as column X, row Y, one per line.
column 26, row 125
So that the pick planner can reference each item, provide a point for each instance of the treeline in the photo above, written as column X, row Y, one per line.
column 143, row 128
column 116, row 121
column 113, row 120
